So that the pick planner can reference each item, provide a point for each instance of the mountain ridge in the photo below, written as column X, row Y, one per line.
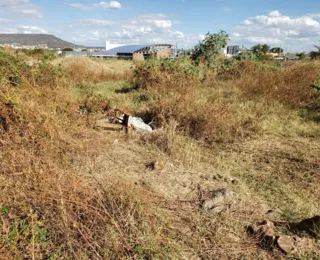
column 36, row 39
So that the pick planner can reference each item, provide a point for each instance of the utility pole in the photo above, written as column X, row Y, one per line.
column 286, row 47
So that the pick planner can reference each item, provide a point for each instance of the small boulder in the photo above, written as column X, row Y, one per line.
column 287, row 244
column 264, row 231
column 217, row 200
column 156, row 165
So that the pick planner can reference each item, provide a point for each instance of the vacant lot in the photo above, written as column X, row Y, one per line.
column 69, row 190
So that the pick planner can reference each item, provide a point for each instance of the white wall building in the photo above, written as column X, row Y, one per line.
column 110, row 46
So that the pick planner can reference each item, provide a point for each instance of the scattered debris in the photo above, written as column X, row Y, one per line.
column 156, row 165
column 217, row 200
column 137, row 124
column 117, row 119
column 108, row 126
column 265, row 232
column 296, row 244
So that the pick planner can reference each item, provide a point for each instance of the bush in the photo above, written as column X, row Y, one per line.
column 12, row 69
column 40, row 54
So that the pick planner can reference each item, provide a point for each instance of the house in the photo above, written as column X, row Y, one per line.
column 138, row 52
column 231, row 51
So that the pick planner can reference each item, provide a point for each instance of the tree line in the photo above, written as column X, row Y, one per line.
column 210, row 48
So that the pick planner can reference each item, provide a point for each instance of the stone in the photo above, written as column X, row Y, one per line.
column 286, row 244
column 217, row 200
column 156, row 165
column 264, row 231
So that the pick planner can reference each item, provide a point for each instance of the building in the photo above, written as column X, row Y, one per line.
column 110, row 46
column 292, row 56
column 138, row 52
column 231, row 51
column 67, row 54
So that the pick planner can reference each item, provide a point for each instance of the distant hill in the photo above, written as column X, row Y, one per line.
column 36, row 39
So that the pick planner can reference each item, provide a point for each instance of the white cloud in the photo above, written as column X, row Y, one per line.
column 267, row 40
column 246, row 22
column 80, row 6
column 11, row 8
column 99, row 22
column 2, row 20
column 164, row 24
column 143, row 29
column 10, row 3
column 274, row 13
column 110, row 5
column 25, row 29
column 103, row 5
column 31, row 12
column 295, row 33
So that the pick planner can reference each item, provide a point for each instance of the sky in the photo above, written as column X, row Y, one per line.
column 293, row 25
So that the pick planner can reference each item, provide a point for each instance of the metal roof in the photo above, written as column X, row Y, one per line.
column 129, row 49
column 125, row 49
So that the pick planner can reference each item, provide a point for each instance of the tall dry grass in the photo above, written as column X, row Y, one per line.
column 46, row 210
column 82, row 70
column 213, row 128
column 289, row 83
column 179, row 93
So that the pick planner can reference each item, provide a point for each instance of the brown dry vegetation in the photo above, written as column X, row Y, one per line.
column 69, row 191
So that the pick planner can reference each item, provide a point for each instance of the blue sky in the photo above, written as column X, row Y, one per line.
column 293, row 25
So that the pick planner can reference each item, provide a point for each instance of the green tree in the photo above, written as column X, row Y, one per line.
column 302, row 55
column 276, row 50
column 209, row 49
column 261, row 51
column 315, row 54
column 265, row 48
column 67, row 49
column 256, row 49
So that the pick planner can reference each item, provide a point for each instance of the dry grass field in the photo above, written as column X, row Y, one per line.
column 70, row 191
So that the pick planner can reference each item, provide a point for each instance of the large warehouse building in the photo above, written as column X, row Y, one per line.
column 138, row 52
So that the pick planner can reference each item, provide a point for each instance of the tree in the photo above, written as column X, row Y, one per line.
column 265, row 48
column 315, row 54
column 301, row 55
column 261, row 51
column 209, row 49
column 67, row 49
column 276, row 50
column 256, row 48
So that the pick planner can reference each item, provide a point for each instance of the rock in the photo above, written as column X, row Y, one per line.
column 156, row 165
column 287, row 244
column 264, row 231
column 231, row 180
column 217, row 200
